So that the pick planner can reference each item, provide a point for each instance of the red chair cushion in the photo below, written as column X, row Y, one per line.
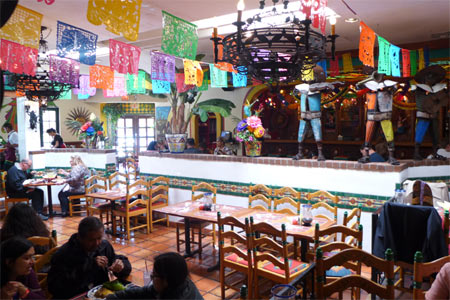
column 236, row 259
column 134, row 208
column 295, row 266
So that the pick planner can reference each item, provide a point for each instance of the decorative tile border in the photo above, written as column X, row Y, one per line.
column 444, row 179
column 369, row 203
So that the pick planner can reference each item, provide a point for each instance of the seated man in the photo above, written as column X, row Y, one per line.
column 14, row 186
column 190, row 147
column 221, row 149
column 85, row 262
column 373, row 156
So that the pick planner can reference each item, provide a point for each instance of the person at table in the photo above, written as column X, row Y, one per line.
column 221, row 149
column 75, row 180
column 440, row 289
column 57, row 139
column 14, row 186
column 190, row 147
column 11, row 146
column 84, row 262
column 373, row 156
column 23, row 221
column 170, row 280
column 18, row 280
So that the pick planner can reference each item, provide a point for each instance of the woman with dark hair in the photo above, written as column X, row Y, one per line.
column 23, row 221
column 170, row 280
column 57, row 139
column 18, row 280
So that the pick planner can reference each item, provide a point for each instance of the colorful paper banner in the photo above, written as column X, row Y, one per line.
column 319, row 19
column 160, row 86
column 366, row 44
column 119, row 88
column 413, row 61
column 193, row 73
column 124, row 58
column 119, row 17
column 23, row 27
column 421, row 59
column 426, row 54
column 406, row 63
column 66, row 96
column 179, row 37
column 394, row 57
column 218, row 77
column 85, row 87
column 136, row 83
column 17, row 58
column 334, row 66
column 308, row 75
column 76, row 43
column 181, row 85
column 239, row 80
column 384, row 65
column 64, row 70
column 101, row 77
column 163, row 66
column 204, row 86
column 323, row 65
column 83, row 97
column 347, row 63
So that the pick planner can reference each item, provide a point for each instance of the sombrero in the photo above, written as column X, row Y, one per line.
column 430, row 75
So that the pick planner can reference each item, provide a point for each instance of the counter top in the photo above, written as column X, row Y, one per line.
column 73, row 150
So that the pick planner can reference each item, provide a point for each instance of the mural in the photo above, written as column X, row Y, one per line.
column 162, row 123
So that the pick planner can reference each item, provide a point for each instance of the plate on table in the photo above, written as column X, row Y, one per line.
column 91, row 293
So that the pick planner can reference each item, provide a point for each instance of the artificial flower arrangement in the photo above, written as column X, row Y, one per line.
column 91, row 131
column 250, row 129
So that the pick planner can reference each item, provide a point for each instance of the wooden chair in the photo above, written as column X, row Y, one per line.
column 275, row 264
column 422, row 270
column 287, row 192
column 7, row 198
column 159, row 197
column 320, row 196
column 260, row 189
column 236, row 254
column 352, row 221
column 290, row 207
column 263, row 203
column 133, row 207
column 315, row 210
column 82, row 201
column 40, row 269
column 103, row 208
column 43, row 241
column 131, row 170
column 118, row 180
column 197, row 226
column 325, row 290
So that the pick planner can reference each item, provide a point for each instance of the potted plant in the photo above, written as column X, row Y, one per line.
column 250, row 131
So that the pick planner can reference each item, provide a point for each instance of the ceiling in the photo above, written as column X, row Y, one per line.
column 398, row 21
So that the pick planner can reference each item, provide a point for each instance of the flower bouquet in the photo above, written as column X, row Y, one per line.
column 92, row 131
column 250, row 131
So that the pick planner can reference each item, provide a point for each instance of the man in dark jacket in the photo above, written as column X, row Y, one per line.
column 84, row 262
column 14, row 186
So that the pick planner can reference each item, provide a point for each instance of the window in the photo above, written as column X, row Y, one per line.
column 134, row 133
column 49, row 118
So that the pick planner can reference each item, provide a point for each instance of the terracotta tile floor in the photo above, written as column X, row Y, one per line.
column 142, row 248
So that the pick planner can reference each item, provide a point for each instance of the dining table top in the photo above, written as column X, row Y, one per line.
column 43, row 182
column 113, row 194
column 191, row 209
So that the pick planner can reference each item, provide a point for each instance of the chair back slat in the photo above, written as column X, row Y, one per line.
column 287, row 192
column 116, row 179
column 327, row 207
column 293, row 208
column 423, row 270
column 203, row 187
column 43, row 241
column 263, row 203
column 322, row 196
column 260, row 189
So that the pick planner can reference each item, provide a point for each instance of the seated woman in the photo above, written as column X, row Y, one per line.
column 18, row 280
column 75, row 180
column 170, row 281
column 23, row 221
column 57, row 139
column 221, row 149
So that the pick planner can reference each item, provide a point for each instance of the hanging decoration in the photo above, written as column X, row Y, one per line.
column 160, row 86
column 76, row 43
column 204, row 86
column 67, row 95
column 124, row 58
column 347, row 63
column 413, row 61
column 406, row 64
column 319, row 19
column 101, row 77
column 334, row 66
column 163, row 66
column 64, row 70
column 366, row 45
column 421, row 59
column 83, row 97
column 85, row 87
column 179, row 37
column 323, row 65
column 384, row 65
column 23, row 27
column 181, row 83
column 136, row 83
column 224, row 66
column 17, row 58
column 120, row 17
column 119, row 88
column 218, row 77
column 193, row 73
column 394, row 57
column 308, row 75
column 239, row 80
column 306, row 8
column 426, row 54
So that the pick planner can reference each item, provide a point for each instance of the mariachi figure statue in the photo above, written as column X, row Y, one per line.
column 310, row 96
column 430, row 97
column 379, row 109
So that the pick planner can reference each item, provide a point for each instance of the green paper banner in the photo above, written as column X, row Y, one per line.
column 66, row 96
column 204, row 86
column 219, row 78
column 136, row 84
column 384, row 64
column 179, row 37
column 413, row 61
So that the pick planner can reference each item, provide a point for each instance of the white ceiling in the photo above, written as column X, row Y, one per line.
column 398, row 21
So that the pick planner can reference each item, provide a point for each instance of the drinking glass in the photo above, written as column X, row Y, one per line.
column 307, row 214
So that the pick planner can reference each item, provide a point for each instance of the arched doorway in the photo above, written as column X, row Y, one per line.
column 207, row 132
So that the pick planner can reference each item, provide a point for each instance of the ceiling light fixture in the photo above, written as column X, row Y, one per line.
column 351, row 20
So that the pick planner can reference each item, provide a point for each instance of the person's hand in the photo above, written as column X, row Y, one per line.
column 13, row 287
column 102, row 261
column 117, row 266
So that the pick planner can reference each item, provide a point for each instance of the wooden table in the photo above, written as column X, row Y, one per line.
column 190, row 210
column 49, row 184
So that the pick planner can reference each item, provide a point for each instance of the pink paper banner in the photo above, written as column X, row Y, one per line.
column 120, row 88
column 84, row 87
column 319, row 19
column 17, row 58
column 406, row 63
column 334, row 66
column 64, row 70
column 181, row 86
column 124, row 58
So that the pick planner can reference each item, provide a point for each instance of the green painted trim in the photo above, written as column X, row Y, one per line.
column 445, row 179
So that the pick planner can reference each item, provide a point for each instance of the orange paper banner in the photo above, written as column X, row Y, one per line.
column 101, row 77
column 347, row 63
column 366, row 44
column 406, row 63
column 193, row 73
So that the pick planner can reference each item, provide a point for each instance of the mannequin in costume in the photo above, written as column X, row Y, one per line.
column 430, row 97
column 379, row 109
column 310, row 96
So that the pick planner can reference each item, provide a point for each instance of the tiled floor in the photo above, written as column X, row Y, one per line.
column 142, row 248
